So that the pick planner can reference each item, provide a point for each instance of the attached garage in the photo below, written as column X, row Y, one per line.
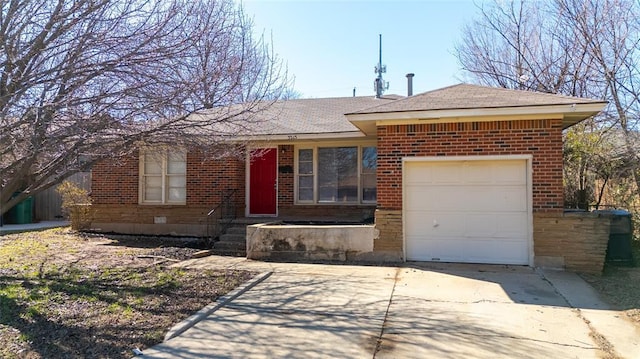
column 474, row 209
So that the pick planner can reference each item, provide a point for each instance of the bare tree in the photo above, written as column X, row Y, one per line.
column 586, row 48
column 85, row 80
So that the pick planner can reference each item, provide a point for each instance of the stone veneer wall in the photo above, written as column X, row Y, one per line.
column 575, row 241
column 390, row 239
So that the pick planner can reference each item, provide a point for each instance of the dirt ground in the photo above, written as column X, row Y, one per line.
column 70, row 295
column 620, row 287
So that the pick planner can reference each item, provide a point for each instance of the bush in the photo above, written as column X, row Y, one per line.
column 76, row 204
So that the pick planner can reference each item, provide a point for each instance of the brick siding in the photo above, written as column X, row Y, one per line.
column 115, row 182
column 540, row 138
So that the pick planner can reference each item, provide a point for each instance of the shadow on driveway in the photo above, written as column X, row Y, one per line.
column 416, row 311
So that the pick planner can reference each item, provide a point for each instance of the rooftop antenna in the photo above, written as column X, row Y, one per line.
column 379, row 84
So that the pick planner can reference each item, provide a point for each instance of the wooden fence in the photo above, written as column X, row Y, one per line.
column 47, row 205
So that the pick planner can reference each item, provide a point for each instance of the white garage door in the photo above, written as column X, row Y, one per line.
column 473, row 211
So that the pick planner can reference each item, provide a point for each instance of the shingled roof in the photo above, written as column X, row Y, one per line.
column 345, row 117
column 304, row 118
column 464, row 102
column 315, row 116
column 466, row 96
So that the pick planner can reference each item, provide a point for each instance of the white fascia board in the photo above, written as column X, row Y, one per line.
column 557, row 110
column 301, row 136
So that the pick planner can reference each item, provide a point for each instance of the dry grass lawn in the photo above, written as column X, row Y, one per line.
column 68, row 295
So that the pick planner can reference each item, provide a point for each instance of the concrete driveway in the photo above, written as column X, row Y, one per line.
column 415, row 311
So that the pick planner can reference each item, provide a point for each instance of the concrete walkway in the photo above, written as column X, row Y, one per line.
column 29, row 227
column 415, row 311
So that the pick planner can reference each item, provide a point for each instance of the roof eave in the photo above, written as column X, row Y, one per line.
column 569, row 113
column 301, row 136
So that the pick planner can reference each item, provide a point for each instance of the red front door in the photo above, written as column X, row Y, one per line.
column 263, row 182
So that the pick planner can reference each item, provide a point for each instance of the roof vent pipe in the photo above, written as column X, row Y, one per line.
column 410, row 84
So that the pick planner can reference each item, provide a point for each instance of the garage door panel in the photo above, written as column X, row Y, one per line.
column 436, row 198
column 478, row 250
column 467, row 211
column 447, row 173
column 504, row 199
column 456, row 198
column 477, row 173
column 454, row 225
column 509, row 172
column 491, row 198
column 432, row 224
column 484, row 251
column 495, row 225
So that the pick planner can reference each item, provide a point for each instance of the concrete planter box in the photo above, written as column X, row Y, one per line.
column 310, row 242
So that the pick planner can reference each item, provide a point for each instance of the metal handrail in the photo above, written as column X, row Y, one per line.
column 225, row 202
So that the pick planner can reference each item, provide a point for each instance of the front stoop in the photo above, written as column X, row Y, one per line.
column 233, row 242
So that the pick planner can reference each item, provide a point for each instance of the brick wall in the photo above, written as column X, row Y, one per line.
column 575, row 242
column 285, row 176
column 209, row 181
column 540, row 138
column 115, row 181
column 115, row 195
column 115, row 191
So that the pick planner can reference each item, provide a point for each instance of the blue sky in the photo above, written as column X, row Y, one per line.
column 330, row 47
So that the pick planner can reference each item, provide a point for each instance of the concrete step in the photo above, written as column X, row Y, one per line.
column 233, row 238
column 237, row 230
column 249, row 221
column 230, row 245
column 229, row 252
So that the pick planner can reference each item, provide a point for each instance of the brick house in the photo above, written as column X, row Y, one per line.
column 464, row 173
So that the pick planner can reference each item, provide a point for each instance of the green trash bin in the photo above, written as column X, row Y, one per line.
column 619, row 249
column 21, row 213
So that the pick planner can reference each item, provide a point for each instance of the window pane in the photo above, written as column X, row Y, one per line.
column 368, row 176
column 338, row 174
column 177, row 157
column 176, row 167
column 369, row 159
column 152, row 164
column 177, row 190
column 177, row 163
column 177, row 194
column 305, row 194
column 153, row 181
column 369, row 188
column 305, row 168
column 305, row 155
column 305, row 182
column 176, row 181
column 153, row 188
column 153, row 194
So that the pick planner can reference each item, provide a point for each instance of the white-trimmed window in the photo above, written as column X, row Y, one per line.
column 163, row 177
column 336, row 174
